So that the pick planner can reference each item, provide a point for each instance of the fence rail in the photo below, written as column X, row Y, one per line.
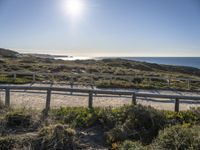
column 71, row 76
column 91, row 93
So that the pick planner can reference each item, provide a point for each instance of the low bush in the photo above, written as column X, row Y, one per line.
column 140, row 123
column 130, row 145
column 127, row 127
column 18, row 120
column 114, row 84
column 55, row 137
column 7, row 143
column 21, row 120
column 189, row 117
column 19, row 80
column 14, row 142
column 128, row 122
column 77, row 117
column 178, row 137
column 2, row 105
column 110, row 117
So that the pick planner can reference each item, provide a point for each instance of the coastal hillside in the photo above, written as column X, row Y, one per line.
column 150, row 67
column 124, row 72
column 114, row 66
column 8, row 53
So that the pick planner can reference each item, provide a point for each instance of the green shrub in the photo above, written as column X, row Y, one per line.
column 77, row 117
column 110, row 117
column 55, row 137
column 140, row 123
column 129, row 145
column 184, row 117
column 114, row 84
column 119, row 125
column 178, row 138
column 116, row 134
column 128, row 122
column 19, row 80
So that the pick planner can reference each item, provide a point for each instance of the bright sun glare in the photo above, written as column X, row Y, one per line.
column 74, row 8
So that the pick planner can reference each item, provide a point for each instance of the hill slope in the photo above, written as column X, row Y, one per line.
column 8, row 53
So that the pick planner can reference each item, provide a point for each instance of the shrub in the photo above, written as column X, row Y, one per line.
column 77, row 117
column 110, row 117
column 116, row 134
column 128, row 122
column 178, row 138
column 141, row 123
column 22, row 142
column 18, row 119
column 7, row 143
column 114, row 84
column 2, row 106
column 55, row 137
column 189, row 117
column 129, row 145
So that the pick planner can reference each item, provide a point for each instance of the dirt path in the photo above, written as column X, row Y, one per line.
column 37, row 101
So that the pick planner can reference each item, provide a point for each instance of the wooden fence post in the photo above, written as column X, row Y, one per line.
column 188, row 84
column 92, row 83
column 52, row 78
column 34, row 77
column 149, row 81
column 169, row 81
column 134, row 99
column 176, row 105
column 48, row 100
column 71, row 84
column 14, row 76
column 7, row 97
column 90, row 101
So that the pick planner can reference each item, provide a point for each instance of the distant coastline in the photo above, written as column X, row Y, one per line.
column 176, row 61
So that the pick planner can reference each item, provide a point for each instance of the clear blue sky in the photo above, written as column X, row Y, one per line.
column 104, row 27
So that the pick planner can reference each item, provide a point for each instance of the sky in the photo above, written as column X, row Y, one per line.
column 101, row 27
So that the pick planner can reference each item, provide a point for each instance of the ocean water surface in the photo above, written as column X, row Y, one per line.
column 176, row 61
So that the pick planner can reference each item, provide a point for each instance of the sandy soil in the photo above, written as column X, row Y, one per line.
column 37, row 100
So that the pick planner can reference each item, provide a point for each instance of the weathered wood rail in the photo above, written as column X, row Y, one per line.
column 33, row 75
column 91, row 93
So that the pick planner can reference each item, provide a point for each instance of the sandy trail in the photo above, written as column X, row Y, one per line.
column 33, row 100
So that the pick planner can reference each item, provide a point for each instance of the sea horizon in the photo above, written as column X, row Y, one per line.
column 175, row 61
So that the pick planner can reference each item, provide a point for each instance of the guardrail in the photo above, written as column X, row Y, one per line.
column 91, row 93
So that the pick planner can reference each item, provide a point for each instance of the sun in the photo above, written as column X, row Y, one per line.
column 74, row 8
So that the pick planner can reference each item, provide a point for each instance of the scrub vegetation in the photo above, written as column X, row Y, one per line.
column 131, row 127
column 124, row 73
column 124, row 128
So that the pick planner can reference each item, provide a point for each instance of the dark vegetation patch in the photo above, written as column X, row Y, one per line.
column 8, row 53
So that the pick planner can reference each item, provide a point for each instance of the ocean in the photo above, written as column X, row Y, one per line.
column 176, row 61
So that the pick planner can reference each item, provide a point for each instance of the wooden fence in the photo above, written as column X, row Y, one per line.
column 91, row 76
column 91, row 93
